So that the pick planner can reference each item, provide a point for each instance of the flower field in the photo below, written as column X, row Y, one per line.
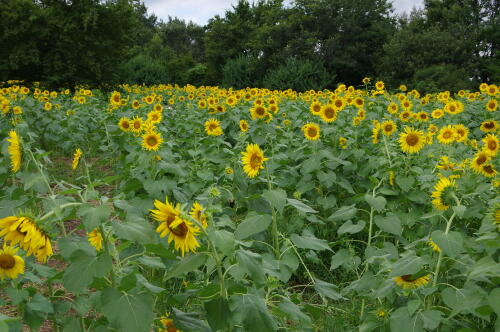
column 198, row 209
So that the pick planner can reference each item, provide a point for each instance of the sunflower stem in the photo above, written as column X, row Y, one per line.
column 106, row 248
column 440, row 258
column 387, row 150
column 41, row 172
column 274, row 227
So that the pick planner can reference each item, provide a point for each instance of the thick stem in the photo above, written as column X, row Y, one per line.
column 387, row 151
column 440, row 258
column 274, row 226
column 41, row 172
column 106, row 248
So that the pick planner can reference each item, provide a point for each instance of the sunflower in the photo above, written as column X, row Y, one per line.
column 406, row 104
column 491, row 144
column 14, row 151
column 154, row 116
column 489, row 126
column 137, row 124
column 243, row 125
column 311, row 131
column 95, row 239
column 151, row 140
column 26, row 233
column 253, row 160
column 328, row 113
column 213, row 128
column 181, row 231
column 437, row 113
column 338, row 104
column 492, row 105
column 439, row 193
column 388, row 128
column 433, row 245
column 411, row 140
column 392, row 108
column 366, row 80
column 258, row 112
column 168, row 324
column 202, row 103
column 359, row 102
column 47, row 106
column 423, row 116
column 76, row 158
column 11, row 265
column 409, row 282
column 124, row 124
column 315, row 108
column 158, row 108
column 197, row 214
column 380, row 85
column 115, row 98
column 229, row 170
column 488, row 170
column 494, row 214
column 478, row 161
column 136, row 104
column 405, row 116
column 446, row 135
column 461, row 133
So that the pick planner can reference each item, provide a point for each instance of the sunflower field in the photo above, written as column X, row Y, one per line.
column 198, row 209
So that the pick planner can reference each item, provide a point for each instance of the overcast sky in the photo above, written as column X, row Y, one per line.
column 199, row 11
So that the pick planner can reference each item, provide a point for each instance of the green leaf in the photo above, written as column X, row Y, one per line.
column 406, row 265
column 310, row 165
column 309, row 241
column 189, row 322
column 402, row 321
column 128, row 312
column 326, row 289
column 390, row 224
column 40, row 304
column 217, row 314
column 344, row 213
column 187, row 264
column 252, row 312
column 484, row 268
column 277, row 198
column 293, row 312
column 405, row 183
column 253, row 224
column 494, row 300
column 153, row 262
column 459, row 210
column 223, row 241
column 300, row 206
column 432, row 319
column 451, row 244
column 137, row 230
column 84, row 268
column 92, row 217
column 340, row 258
column 378, row 202
column 349, row 227
column 252, row 264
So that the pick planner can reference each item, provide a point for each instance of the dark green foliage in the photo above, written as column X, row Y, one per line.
column 433, row 78
column 239, row 72
column 299, row 75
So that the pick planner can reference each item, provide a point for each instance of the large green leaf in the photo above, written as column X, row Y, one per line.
column 251, row 311
column 137, row 230
column 344, row 213
column 326, row 289
column 309, row 241
column 217, row 314
column 92, row 217
column 376, row 202
column 84, row 267
column 252, row 264
column 276, row 197
column 127, row 312
column 390, row 224
column 300, row 206
column 253, row 224
column 451, row 244
column 187, row 264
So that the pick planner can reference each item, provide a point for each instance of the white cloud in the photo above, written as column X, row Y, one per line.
column 199, row 11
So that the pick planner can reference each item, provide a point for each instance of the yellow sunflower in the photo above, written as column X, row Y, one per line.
column 388, row 128
column 136, row 125
column 478, row 161
column 14, row 151
column 380, row 85
column 328, row 113
column 437, row 113
column 491, row 145
column 433, row 245
column 311, row 131
column 446, row 135
column 437, row 194
column 315, row 108
column 154, row 116
column 179, row 230
column 151, row 140
column 258, row 112
column 411, row 140
column 488, row 170
column 392, row 108
column 408, row 282
column 11, row 265
column 243, row 125
column 197, row 214
column 124, row 124
column 405, row 116
column 489, row 126
column 95, row 239
column 253, row 160
column 492, row 105
column 461, row 133
column 76, row 158
column 212, row 127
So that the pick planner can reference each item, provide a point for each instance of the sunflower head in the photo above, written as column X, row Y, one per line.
column 491, row 144
column 14, row 150
column 212, row 127
column 388, row 127
column 253, row 160
column 11, row 265
column 328, row 113
column 410, row 281
column 443, row 194
column 311, row 131
column 151, row 141
column 411, row 140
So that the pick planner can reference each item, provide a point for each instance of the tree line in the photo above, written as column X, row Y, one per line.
column 305, row 44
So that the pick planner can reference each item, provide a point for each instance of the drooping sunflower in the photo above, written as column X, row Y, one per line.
column 11, row 265
column 446, row 135
column 489, row 126
column 136, row 125
column 179, row 230
column 488, row 170
column 491, row 145
column 14, row 151
column 212, row 127
column 243, row 125
column 440, row 190
column 151, row 140
column 124, row 124
column 409, row 282
column 478, row 161
column 461, row 133
column 388, row 127
column 95, row 239
column 328, row 113
column 433, row 245
column 197, row 214
column 253, row 160
column 311, row 131
column 26, row 233
column 315, row 108
column 411, row 140
column 76, row 158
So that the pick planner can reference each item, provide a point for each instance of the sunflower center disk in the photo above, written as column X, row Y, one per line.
column 412, row 140
column 7, row 262
column 255, row 161
column 181, row 230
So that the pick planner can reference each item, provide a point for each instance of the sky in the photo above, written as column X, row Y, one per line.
column 199, row 11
